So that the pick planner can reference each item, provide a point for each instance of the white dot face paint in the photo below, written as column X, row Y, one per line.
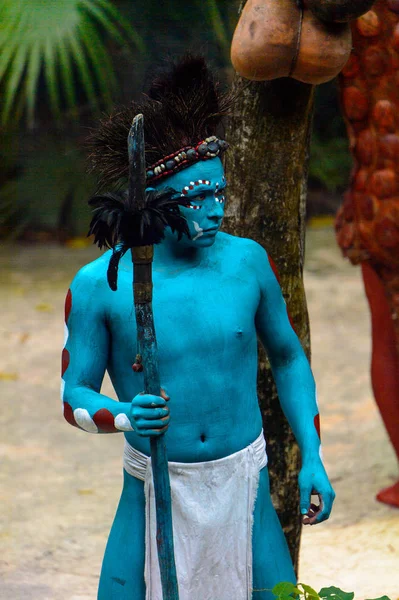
column 84, row 420
column 122, row 423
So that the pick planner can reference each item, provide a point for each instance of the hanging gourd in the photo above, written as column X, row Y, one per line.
column 281, row 39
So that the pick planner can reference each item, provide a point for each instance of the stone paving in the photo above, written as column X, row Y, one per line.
column 59, row 487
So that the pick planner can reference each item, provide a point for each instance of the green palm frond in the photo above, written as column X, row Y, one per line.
column 61, row 40
column 219, row 28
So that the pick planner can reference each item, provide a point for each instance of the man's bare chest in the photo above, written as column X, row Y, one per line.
column 193, row 312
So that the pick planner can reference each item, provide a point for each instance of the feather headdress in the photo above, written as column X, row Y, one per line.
column 183, row 107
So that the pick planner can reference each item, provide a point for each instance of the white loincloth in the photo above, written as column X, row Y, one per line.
column 212, row 509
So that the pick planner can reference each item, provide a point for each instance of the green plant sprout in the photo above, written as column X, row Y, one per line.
column 300, row 591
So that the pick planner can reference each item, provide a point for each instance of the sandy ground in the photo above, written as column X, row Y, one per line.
column 59, row 487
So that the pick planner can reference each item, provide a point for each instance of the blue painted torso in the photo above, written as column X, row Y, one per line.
column 205, row 325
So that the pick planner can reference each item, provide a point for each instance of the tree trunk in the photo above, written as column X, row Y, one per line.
column 266, row 169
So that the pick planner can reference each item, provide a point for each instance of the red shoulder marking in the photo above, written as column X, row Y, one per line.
column 316, row 422
column 68, row 305
column 64, row 361
column 274, row 268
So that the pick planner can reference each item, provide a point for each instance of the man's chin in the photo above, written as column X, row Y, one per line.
column 204, row 241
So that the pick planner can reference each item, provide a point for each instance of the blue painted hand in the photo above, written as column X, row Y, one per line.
column 313, row 480
column 150, row 414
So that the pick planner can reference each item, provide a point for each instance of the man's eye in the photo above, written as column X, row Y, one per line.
column 220, row 196
column 195, row 202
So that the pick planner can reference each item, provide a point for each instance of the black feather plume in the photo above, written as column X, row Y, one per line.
column 183, row 106
column 114, row 225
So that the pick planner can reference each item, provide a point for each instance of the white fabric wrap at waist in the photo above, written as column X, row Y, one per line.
column 212, row 509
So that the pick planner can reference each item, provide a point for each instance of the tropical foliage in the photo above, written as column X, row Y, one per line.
column 59, row 42
column 49, row 193
column 62, row 61
column 330, row 163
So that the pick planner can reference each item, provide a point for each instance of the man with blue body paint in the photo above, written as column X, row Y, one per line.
column 213, row 295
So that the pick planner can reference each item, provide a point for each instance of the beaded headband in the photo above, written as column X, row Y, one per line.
column 208, row 148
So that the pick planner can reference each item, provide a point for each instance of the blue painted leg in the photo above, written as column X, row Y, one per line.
column 122, row 574
column 271, row 558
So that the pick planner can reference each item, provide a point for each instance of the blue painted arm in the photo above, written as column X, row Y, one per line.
column 84, row 359
column 295, row 383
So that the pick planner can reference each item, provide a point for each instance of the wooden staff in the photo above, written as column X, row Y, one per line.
column 136, row 221
column 142, row 257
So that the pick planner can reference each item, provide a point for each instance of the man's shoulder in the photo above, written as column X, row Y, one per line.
column 242, row 248
column 92, row 276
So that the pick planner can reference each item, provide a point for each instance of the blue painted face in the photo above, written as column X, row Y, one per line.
column 202, row 186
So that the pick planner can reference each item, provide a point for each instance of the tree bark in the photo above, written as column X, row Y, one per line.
column 266, row 170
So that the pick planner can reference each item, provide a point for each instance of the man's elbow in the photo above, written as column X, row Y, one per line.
column 73, row 414
column 287, row 356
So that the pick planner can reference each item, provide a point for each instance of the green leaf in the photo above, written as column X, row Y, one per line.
column 99, row 58
column 285, row 589
column 17, row 68
column 218, row 26
column 334, row 593
column 78, row 56
column 51, row 76
column 309, row 592
column 131, row 34
column 32, row 76
column 66, row 71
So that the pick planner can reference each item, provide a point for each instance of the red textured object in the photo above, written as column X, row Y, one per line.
column 384, row 116
column 369, row 234
column 375, row 61
column 366, row 206
column 360, row 180
column 355, row 102
column 383, row 183
column 393, row 5
column 137, row 367
column 384, row 361
column 365, row 147
column 369, row 25
column 389, row 146
column 387, row 234
column 351, row 69
column 104, row 420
